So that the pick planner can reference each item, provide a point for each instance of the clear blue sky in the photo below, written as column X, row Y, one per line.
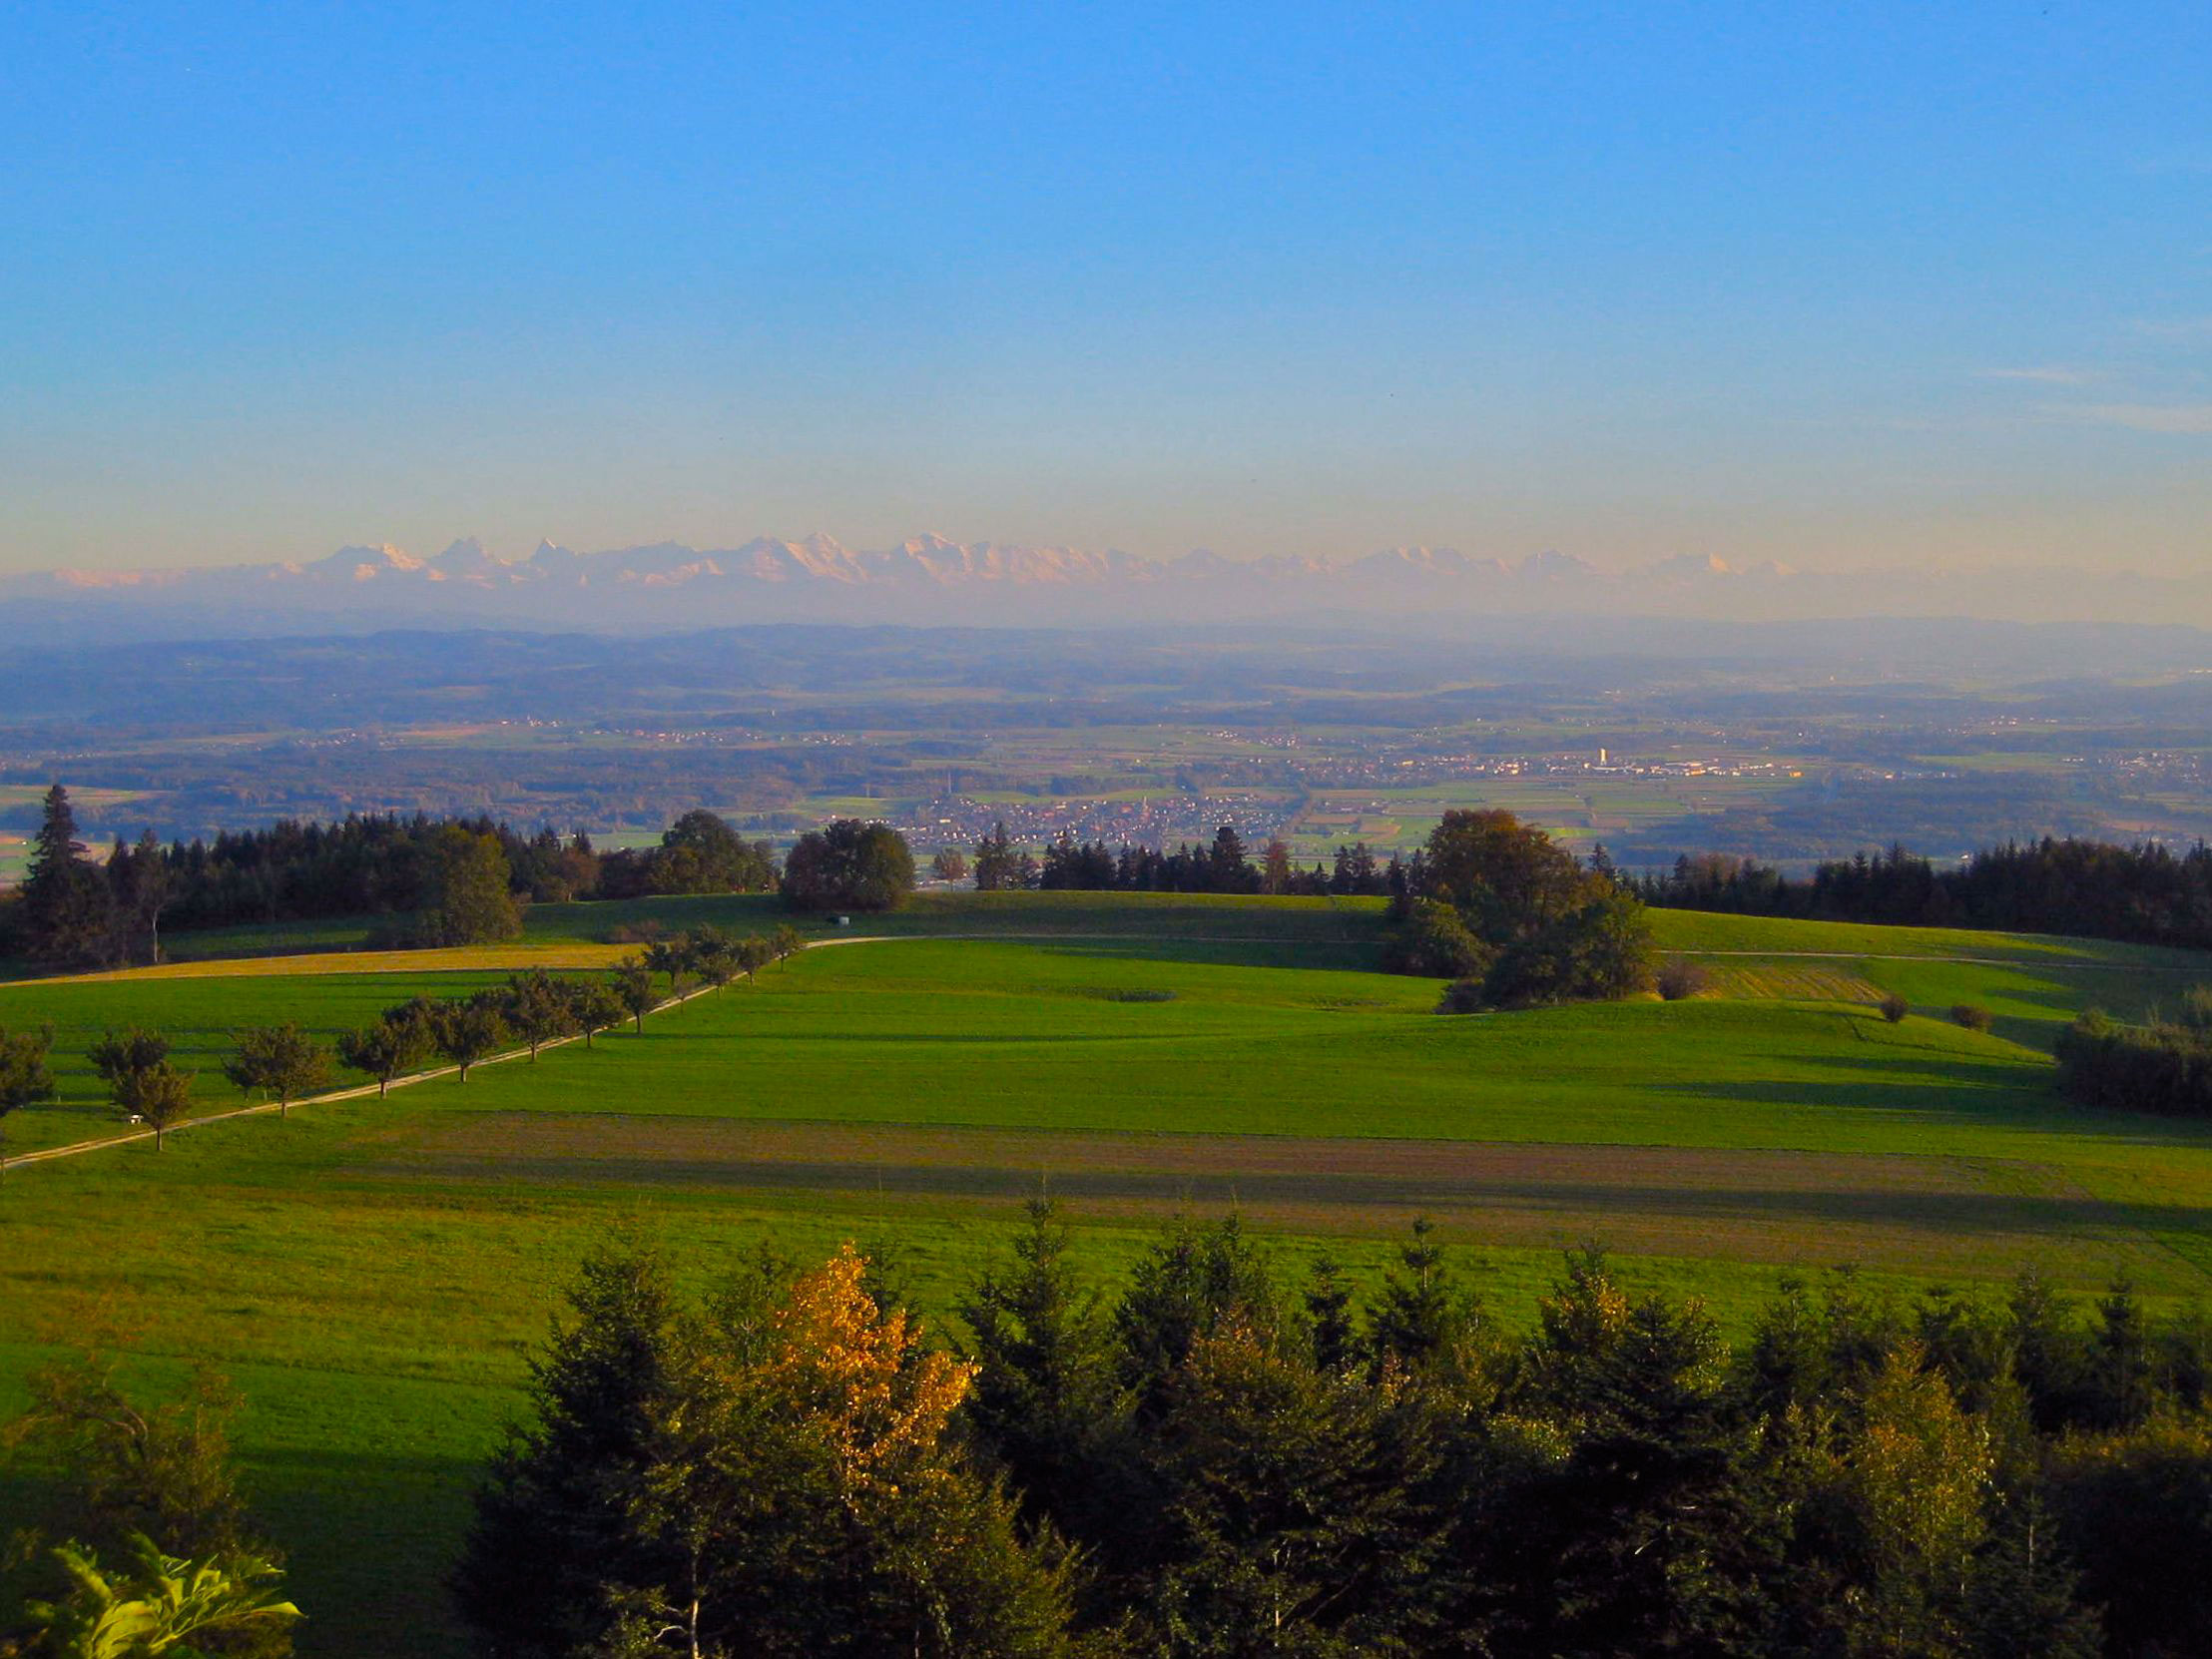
column 1836, row 284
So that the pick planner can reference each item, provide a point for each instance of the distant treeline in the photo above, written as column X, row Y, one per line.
column 1224, row 866
column 438, row 880
column 2145, row 893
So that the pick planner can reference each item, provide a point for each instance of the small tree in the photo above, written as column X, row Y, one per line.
column 279, row 1061
column 753, row 954
column 162, row 1095
column 1680, row 980
column 671, row 957
column 469, row 1031
column 950, row 864
column 1971, row 1016
column 1463, row 996
column 712, row 954
column 390, row 1048
column 536, row 1009
column 2196, row 1008
column 995, row 861
column 25, row 1079
column 633, row 987
column 123, row 1059
column 593, row 1006
column 786, row 941
column 1894, row 1008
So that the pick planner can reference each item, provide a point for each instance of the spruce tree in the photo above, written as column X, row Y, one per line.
column 67, row 908
column 1043, row 1389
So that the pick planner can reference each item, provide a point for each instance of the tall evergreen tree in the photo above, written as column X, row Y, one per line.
column 553, row 1519
column 1044, row 1396
column 1296, row 1518
column 68, row 913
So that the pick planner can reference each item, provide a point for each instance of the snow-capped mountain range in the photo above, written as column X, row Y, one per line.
column 930, row 579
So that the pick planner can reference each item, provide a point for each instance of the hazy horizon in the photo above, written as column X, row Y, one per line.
column 1899, row 288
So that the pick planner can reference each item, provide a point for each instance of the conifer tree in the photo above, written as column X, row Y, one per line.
column 1043, row 1389
column 67, row 908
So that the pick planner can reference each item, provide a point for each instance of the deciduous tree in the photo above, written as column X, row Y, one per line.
column 536, row 1009
column 848, row 865
column 162, row 1095
column 469, row 901
column 633, row 985
column 594, row 1004
column 390, row 1048
column 279, row 1061
column 468, row 1030
column 25, row 1078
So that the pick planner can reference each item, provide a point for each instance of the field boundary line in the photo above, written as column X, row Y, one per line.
column 1952, row 961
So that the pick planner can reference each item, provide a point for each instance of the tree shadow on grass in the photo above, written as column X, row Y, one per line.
column 1963, row 1092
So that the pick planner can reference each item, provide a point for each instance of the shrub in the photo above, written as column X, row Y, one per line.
column 2136, row 1068
column 1679, row 980
column 1599, row 953
column 1970, row 1015
column 2196, row 1008
column 1893, row 1008
column 1463, row 996
column 1433, row 941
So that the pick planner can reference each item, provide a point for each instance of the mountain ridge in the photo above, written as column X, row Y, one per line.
column 933, row 578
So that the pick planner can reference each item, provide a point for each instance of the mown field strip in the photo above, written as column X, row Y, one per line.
column 1918, row 1212
column 2069, row 963
column 457, row 959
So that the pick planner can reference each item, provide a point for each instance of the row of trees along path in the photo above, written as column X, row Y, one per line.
column 527, row 1052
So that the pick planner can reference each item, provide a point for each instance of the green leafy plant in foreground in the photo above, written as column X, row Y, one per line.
column 156, row 1606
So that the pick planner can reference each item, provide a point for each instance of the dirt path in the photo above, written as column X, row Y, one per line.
column 332, row 1097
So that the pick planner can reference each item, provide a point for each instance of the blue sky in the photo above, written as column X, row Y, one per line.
column 1841, row 285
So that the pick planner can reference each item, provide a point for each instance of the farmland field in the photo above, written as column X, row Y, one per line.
column 369, row 1272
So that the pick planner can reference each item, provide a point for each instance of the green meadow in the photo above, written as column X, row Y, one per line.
column 370, row 1273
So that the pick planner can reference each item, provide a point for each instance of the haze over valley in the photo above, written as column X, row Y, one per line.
column 930, row 579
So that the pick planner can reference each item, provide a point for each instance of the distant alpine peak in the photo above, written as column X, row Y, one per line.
column 931, row 577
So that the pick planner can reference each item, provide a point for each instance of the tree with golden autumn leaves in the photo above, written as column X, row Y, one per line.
column 769, row 1475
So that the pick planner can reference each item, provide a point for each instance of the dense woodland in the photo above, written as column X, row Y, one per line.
column 2146, row 893
column 1213, row 1461
column 437, row 881
column 1224, row 866
column 1209, row 1458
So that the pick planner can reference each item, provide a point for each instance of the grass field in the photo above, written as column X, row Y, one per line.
column 370, row 1271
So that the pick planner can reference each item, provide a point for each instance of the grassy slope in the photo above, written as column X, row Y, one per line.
column 373, row 1311
column 197, row 1015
